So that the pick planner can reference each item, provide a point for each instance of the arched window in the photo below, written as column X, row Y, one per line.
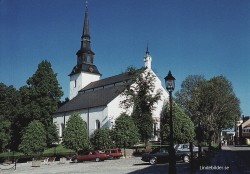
column 74, row 83
column 97, row 124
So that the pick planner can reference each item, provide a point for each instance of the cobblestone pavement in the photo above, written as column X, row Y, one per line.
column 132, row 165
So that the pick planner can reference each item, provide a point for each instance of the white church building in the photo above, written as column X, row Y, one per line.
column 97, row 100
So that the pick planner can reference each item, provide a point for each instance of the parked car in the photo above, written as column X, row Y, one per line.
column 185, row 147
column 112, row 153
column 161, row 155
column 89, row 156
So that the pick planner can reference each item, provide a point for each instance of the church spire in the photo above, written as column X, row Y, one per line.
column 84, row 72
column 85, row 55
column 147, row 59
column 85, row 32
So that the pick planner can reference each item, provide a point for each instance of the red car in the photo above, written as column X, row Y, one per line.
column 89, row 156
column 112, row 153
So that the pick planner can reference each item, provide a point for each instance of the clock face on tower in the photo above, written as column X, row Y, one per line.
column 91, row 69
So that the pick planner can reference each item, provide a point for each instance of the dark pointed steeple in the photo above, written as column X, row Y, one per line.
column 85, row 57
column 85, row 31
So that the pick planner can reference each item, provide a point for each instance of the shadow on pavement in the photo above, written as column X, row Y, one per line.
column 244, row 155
column 159, row 168
column 182, row 168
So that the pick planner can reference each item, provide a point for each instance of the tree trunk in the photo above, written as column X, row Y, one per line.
column 147, row 145
column 125, row 155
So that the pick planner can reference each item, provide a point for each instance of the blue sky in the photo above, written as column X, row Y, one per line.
column 201, row 37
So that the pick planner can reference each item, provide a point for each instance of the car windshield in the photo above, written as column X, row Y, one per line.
column 86, row 153
column 160, row 150
column 92, row 153
column 163, row 150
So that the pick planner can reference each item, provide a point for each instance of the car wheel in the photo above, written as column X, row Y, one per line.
column 76, row 160
column 111, row 157
column 153, row 161
column 97, row 159
column 186, row 158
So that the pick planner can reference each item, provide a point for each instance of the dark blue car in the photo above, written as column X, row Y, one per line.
column 161, row 155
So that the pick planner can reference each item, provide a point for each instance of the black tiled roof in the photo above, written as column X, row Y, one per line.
column 91, row 99
column 107, row 81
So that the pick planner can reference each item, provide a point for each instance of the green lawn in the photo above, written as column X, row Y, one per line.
column 6, row 154
column 56, row 149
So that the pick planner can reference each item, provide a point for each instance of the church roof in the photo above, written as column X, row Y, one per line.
column 114, row 80
column 91, row 99
column 98, row 93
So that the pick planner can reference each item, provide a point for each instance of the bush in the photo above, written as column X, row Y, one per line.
column 33, row 141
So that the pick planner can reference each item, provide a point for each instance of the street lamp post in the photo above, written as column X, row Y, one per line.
column 170, row 85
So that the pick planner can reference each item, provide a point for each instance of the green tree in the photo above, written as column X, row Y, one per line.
column 142, row 96
column 183, row 127
column 75, row 135
column 188, row 96
column 10, row 106
column 125, row 132
column 219, row 105
column 33, row 139
column 5, row 135
column 102, row 139
column 215, row 99
column 40, row 99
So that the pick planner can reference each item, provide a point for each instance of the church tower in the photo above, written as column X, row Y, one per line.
column 85, row 71
column 147, row 59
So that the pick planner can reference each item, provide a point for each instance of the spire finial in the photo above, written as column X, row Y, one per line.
column 87, row 3
column 147, row 52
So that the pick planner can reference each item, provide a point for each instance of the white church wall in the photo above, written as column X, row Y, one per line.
column 79, row 81
column 74, row 85
column 87, row 78
column 89, row 116
column 159, row 105
column 164, row 97
column 97, row 113
column 60, row 121
column 114, row 109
